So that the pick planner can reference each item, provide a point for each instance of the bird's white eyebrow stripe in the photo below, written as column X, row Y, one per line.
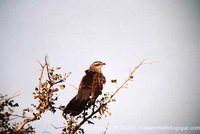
column 97, row 62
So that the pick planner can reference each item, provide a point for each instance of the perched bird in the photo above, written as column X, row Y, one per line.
column 90, row 88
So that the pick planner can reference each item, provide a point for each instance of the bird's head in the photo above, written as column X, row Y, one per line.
column 96, row 66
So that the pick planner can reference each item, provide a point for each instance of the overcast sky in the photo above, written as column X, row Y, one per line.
column 120, row 33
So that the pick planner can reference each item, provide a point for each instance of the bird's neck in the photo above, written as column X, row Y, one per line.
column 93, row 70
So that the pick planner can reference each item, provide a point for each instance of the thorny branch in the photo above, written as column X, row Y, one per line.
column 44, row 93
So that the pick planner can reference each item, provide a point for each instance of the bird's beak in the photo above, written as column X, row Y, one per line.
column 103, row 63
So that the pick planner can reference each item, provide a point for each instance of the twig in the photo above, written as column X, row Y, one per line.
column 57, row 127
column 15, row 95
column 47, row 67
column 128, row 79
column 86, row 118
column 106, row 129
column 24, row 122
column 60, row 81
column 41, row 76
column 16, row 115
column 46, row 132
column 74, row 86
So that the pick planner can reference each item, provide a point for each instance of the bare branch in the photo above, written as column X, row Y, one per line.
column 41, row 76
column 106, row 129
column 15, row 95
column 128, row 79
column 151, row 62
column 24, row 122
column 47, row 67
column 16, row 115
column 57, row 127
column 74, row 86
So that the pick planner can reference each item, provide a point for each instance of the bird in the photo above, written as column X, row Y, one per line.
column 90, row 88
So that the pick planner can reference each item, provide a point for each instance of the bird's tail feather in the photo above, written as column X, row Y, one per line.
column 75, row 107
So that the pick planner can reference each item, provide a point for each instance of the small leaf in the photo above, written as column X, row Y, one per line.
column 99, row 117
column 55, row 90
column 114, row 100
column 33, row 105
column 51, row 70
column 55, row 76
column 51, row 73
column 114, row 81
column 81, row 131
column 57, row 68
column 90, row 122
column 95, row 116
column 56, row 98
column 36, row 96
column 85, row 113
column 16, row 105
column 62, row 87
column 53, row 110
column 64, row 130
column 61, row 107
column 44, row 85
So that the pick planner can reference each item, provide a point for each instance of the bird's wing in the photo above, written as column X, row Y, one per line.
column 97, row 85
column 85, row 87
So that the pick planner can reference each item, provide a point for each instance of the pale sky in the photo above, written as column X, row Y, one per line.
column 120, row 33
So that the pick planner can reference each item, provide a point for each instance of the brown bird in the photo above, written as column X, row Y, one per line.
column 90, row 88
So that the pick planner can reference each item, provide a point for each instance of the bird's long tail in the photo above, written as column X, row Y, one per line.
column 75, row 107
